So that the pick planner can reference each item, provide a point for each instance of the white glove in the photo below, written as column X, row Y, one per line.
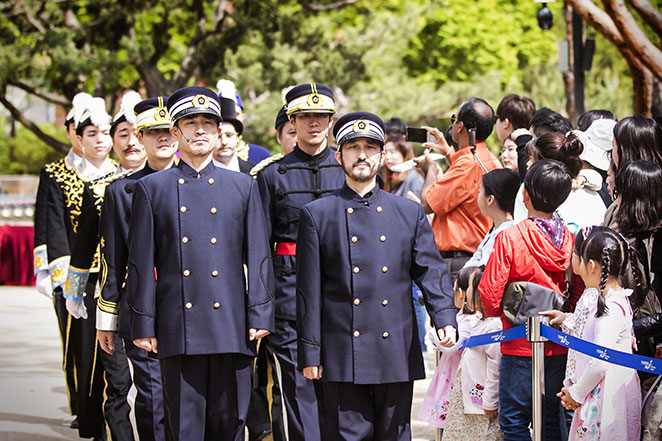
column 44, row 285
column 77, row 309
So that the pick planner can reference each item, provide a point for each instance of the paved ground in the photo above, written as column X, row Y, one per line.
column 33, row 400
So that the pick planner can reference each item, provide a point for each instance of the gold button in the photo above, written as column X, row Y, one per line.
column 385, row 335
column 384, row 302
column 350, row 210
column 186, row 273
column 384, row 269
column 382, row 238
column 379, row 209
column 212, row 240
column 217, row 305
column 355, row 239
column 211, row 181
column 356, row 270
column 181, row 180
column 213, row 210
column 357, row 301
column 356, row 333
column 184, row 239
column 214, row 273
column 183, row 209
column 189, row 305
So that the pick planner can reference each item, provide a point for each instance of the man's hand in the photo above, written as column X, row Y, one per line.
column 313, row 372
column 447, row 336
column 256, row 334
column 555, row 317
column 106, row 341
column 491, row 414
column 149, row 344
column 440, row 145
column 427, row 164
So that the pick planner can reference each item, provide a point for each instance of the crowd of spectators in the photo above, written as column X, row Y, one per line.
column 518, row 219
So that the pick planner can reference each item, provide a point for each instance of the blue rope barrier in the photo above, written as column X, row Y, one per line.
column 638, row 362
column 495, row 337
column 613, row 356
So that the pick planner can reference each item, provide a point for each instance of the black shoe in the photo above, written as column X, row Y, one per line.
column 74, row 423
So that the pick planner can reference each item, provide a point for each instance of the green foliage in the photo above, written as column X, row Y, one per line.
column 415, row 59
column 24, row 153
column 460, row 40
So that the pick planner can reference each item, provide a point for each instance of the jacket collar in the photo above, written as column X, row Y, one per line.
column 303, row 156
column 189, row 171
column 370, row 197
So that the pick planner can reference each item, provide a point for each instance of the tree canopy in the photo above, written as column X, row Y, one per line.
column 414, row 59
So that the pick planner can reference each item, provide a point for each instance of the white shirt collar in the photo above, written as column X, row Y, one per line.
column 233, row 165
column 91, row 172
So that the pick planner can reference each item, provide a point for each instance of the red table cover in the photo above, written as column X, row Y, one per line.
column 16, row 266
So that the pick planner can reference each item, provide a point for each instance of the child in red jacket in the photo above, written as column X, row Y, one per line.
column 537, row 250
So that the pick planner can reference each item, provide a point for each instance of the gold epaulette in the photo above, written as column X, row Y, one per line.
column 264, row 163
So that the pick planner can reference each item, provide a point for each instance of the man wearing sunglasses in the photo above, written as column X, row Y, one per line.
column 458, row 224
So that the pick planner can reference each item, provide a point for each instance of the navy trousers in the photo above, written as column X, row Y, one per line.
column 150, row 419
column 116, row 408
column 206, row 397
column 300, row 396
column 367, row 412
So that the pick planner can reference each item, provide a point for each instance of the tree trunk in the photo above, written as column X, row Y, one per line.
column 656, row 110
column 642, row 91
column 569, row 76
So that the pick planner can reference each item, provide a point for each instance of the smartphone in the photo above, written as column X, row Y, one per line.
column 416, row 134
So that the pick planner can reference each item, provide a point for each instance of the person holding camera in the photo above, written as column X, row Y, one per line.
column 458, row 224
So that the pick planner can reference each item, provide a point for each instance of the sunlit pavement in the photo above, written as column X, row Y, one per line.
column 33, row 397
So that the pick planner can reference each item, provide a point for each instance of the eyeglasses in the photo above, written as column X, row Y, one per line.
column 453, row 119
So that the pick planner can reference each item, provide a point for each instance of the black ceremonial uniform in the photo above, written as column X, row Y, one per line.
column 113, row 307
column 69, row 197
column 287, row 185
column 41, row 237
column 84, row 274
column 190, row 235
column 356, row 260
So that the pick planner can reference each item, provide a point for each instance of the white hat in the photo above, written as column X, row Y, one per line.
column 597, row 141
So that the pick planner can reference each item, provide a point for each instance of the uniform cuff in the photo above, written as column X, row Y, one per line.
column 142, row 326
column 74, row 288
column 40, row 257
column 58, row 271
column 445, row 317
column 106, row 321
column 309, row 354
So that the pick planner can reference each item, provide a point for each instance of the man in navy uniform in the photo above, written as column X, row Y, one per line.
column 358, row 252
column 287, row 183
column 194, row 229
column 152, row 122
